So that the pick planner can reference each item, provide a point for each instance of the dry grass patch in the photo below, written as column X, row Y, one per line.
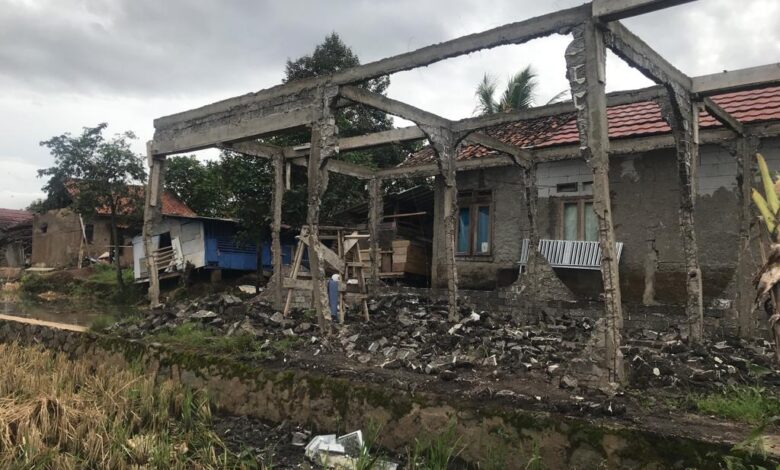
column 61, row 413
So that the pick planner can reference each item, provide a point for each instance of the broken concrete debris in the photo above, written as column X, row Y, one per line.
column 412, row 334
column 342, row 452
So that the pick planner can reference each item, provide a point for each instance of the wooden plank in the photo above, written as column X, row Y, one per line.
column 328, row 255
column 610, row 10
column 305, row 284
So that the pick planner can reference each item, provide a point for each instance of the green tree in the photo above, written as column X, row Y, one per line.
column 91, row 174
column 199, row 185
column 520, row 93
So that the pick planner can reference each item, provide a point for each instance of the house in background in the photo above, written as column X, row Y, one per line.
column 190, row 242
column 493, row 227
column 15, row 238
column 61, row 236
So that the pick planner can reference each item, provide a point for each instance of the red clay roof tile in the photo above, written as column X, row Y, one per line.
column 629, row 120
column 12, row 217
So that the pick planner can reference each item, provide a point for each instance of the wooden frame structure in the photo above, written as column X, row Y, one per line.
column 237, row 123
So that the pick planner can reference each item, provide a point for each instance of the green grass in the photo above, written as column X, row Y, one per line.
column 750, row 404
column 106, row 274
column 195, row 337
column 99, row 287
column 435, row 452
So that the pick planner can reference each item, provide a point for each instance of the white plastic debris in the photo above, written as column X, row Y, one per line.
column 247, row 289
column 341, row 452
column 656, row 371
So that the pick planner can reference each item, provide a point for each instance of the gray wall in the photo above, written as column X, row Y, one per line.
column 645, row 201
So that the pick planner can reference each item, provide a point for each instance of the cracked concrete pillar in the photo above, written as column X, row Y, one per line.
column 445, row 143
column 531, row 204
column 276, row 227
column 376, row 208
column 682, row 116
column 744, row 151
column 324, row 145
column 152, row 217
column 585, row 70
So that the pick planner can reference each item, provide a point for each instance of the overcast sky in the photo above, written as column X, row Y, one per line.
column 66, row 64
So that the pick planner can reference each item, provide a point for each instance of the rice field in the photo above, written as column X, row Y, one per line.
column 57, row 413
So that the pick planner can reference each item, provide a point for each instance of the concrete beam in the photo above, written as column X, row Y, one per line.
column 393, row 136
column 522, row 157
column 232, row 126
column 611, row 10
column 613, row 99
column 735, row 80
column 642, row 57
column 391, row 106
column 723, row 117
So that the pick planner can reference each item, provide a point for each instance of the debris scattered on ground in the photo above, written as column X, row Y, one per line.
column 409, row 332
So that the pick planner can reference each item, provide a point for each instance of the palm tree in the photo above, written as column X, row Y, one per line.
column 519, row 94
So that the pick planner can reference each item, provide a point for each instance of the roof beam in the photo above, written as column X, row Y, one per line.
column 263, row 150
column 391, row 106
column 229, row 127
column 642, row 57
column 723, row 116
column 513, row 33
column 736, row 80
column 521, row 156
column 613, row 99
column 611, row 10
column 432, row 169
column 392, row 136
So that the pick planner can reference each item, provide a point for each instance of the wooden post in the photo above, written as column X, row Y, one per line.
column 276, row 226
column 152, row 216
column 445, row 144
column 585, row 70
column 745, row 150
column 323, row 146
column 376, row 206
column 682, row 117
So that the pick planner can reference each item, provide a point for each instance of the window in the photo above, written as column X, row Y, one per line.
column 578, row 221
column 475, row 223
column 89, row 232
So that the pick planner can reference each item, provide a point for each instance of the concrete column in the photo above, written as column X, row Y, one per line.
column 445, row 144
column 744, row 151
column 152, row 217
column 324, row 145
column 682, row 117
column 376, row 207
column 585, row 70
column 276, row 226
column 531, row 204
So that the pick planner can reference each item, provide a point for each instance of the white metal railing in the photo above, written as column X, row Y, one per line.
column 574, row 254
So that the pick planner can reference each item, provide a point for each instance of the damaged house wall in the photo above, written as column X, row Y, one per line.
column 56, row 239
column 645, row 204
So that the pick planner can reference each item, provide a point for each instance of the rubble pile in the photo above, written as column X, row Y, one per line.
column 666, row 359
column 413, row 333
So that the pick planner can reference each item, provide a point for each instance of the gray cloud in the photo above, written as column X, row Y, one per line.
column 65, row 64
